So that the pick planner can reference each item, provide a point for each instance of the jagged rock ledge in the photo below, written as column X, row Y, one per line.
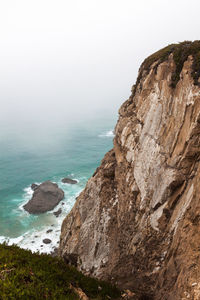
column 137, row 221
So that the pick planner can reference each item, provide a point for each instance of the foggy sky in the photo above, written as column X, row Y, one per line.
column 64, row 60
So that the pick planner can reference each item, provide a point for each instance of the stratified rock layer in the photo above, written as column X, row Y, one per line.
column 137, row 222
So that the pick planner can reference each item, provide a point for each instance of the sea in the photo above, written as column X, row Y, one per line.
column 73, row 151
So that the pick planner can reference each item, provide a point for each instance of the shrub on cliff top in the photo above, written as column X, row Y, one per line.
column 180, row 52
column 24, row 275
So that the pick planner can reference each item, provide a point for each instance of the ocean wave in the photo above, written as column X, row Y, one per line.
column 109, row 133
column 33, row 240
column 43, row 226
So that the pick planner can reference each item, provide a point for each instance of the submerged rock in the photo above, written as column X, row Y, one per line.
column 49, row 230
column 69, row 180
column 58, row 212
column 45, row 197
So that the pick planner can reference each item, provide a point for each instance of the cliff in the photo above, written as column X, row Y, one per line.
column 137, row 221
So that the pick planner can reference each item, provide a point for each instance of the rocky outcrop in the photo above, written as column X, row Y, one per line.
column 137, row 222
column 69, row 180
column 34, row 186
column 45, row 197
column 58, row 212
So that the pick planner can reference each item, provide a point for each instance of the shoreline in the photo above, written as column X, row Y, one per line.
column 46, row 225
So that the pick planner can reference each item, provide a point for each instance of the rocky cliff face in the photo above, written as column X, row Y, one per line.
column 137, row 222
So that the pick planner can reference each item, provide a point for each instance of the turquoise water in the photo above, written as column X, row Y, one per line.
column 26, row 158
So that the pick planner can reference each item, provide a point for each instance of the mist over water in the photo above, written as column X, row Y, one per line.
column 65, row 69
column 73, row 150
column 65, row 61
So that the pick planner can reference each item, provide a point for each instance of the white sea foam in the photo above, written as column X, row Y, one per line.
column 28, row 193
column 33, row 239
column 109, row 133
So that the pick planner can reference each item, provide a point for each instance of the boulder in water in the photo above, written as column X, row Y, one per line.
column 45, row 197
column 58, row 212
column 46, row 241
column 34, row 186
column 69, row 180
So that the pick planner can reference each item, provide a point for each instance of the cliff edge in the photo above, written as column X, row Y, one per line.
column 137, row 221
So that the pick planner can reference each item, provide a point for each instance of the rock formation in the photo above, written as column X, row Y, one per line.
column 58, row 212
column 45, row 197
column 46, row 241
column 69, row 180
column 137, row 222
column 34, row 186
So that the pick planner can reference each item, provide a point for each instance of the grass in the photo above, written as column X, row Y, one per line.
column 180, row 52
column 24, row 275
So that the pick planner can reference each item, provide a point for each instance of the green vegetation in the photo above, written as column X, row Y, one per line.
column 180, row 52
column 24, row 275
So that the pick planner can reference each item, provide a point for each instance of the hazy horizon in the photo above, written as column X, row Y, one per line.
column 65, row 69
column 63, row 61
